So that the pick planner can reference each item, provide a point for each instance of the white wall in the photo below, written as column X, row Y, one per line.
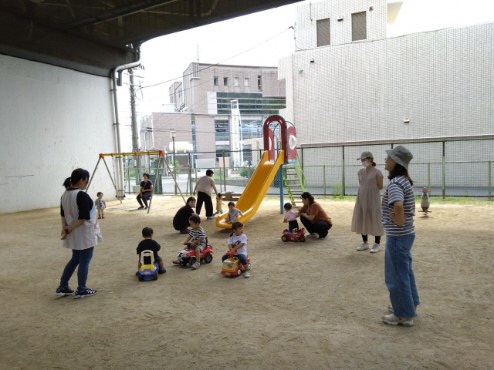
column 340, row 32
column 285, row 71
column 441, row 80
column 52, row 120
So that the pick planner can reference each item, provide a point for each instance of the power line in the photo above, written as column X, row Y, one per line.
column 218, row 63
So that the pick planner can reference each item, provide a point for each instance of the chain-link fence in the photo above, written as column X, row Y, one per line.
column 454, row 166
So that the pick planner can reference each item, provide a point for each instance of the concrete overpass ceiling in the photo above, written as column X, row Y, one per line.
column 94, row 36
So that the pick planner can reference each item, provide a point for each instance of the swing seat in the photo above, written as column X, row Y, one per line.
column 120, row 192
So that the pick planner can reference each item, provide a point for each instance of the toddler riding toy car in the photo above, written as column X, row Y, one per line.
column 232, row 267
column 297, row 235
column 148, row 270
column 187, row 256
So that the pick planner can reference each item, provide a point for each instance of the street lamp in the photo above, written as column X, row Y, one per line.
column 172, row 136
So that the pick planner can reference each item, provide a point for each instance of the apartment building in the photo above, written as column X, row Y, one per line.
column 218, row 109
column 347, row 81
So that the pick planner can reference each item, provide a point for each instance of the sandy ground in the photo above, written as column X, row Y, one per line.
column 312, row 305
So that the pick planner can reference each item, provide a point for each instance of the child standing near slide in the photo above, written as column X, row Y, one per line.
column 219, row 204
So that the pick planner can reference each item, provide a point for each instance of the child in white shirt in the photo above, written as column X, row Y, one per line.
column 237, row 242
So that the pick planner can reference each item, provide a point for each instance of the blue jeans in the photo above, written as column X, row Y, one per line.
column 241, row 257
column 79, row 258
column 398, row 275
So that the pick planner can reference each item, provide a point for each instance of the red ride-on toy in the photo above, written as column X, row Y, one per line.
column 293, row 236
column 187, row 257
column 232, row 267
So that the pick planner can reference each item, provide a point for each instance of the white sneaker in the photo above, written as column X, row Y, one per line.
column 196, row 265
column 391, row 319
column 247, row 274
column 363, row 247
column 375, row 248
column 314, row 236
column 390, row 309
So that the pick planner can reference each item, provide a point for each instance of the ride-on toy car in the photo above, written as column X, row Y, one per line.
column 293, row 236
column 232, row 267
column 187, row 256
column 148, row 270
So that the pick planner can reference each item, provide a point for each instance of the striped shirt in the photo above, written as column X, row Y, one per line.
column 198, row 236
column 398, row 190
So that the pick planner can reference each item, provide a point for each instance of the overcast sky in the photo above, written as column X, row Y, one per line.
column 257, row 39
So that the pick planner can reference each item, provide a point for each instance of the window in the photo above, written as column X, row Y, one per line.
column 259, row 82
column 225, row 81
column 236, row 81
column 359, row 26
column 246, row 82
column 222, row 130
column 215, row 80
column 323, row 34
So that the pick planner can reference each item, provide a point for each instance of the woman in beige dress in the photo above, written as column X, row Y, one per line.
column 367, row 212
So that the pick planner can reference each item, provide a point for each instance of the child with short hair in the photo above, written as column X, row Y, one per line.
column 233, row 213
column 290, row 217
column 196, row 239
column 100, row 205
column 219, row 204
column 237, row 242
column 149, row 244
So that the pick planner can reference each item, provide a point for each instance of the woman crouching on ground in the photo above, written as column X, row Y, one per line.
column 314, row 218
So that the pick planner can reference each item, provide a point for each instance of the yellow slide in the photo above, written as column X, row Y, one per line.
column 256, row 189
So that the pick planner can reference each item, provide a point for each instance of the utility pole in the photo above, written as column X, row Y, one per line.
column 135, row 136
column 172, row 136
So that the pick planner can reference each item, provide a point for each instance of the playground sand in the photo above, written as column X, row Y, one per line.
column 312, row 305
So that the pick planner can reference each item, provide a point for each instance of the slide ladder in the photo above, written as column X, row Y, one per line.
column 294, row 181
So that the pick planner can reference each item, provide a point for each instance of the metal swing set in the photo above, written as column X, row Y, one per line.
column 117, row 179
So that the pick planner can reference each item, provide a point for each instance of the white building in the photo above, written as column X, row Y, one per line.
column 219, row 108
column 441, row 81
column 348, row 82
